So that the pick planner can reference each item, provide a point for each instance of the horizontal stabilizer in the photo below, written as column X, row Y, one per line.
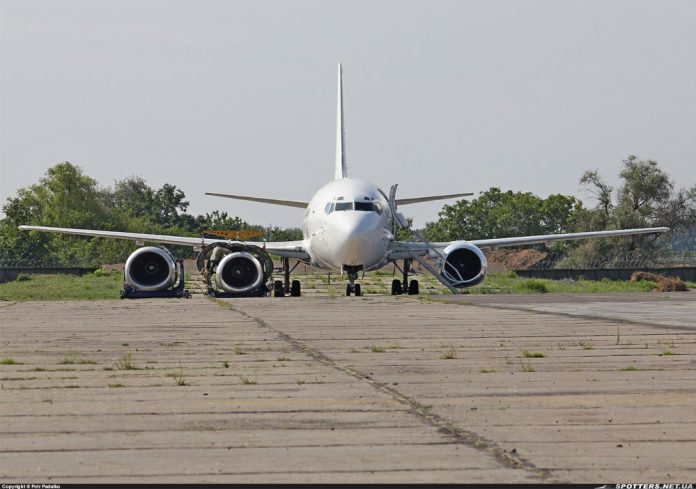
column 287, row 203
column 428, row 198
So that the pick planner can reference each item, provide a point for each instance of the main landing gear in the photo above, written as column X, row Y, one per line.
column 406, row 287
column 352, row 287
column 283, row 287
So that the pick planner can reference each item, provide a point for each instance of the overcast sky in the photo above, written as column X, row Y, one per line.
column 439, row 96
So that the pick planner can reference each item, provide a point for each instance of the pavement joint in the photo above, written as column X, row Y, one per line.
column 425, row 413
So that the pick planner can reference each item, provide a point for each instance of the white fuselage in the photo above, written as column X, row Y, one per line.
column 348, row 224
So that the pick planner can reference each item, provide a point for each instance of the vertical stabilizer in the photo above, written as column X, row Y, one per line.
column 341, row 165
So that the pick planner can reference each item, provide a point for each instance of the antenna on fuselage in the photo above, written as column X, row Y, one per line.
column 341, row 164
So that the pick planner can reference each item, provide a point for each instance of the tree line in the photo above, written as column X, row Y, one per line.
column 66, row 197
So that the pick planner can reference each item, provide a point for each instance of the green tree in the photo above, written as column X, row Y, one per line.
column 646, row 197
column 498, row 214
column 170, row 205
column 64, row 197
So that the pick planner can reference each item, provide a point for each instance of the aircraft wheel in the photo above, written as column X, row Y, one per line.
column 413, row 287
column 396, row 288
column 278, row 289
column 295, row 288
column 349, row 289
column 358, row 292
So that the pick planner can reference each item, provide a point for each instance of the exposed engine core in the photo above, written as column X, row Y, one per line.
column 235, row 269
column 150, row 269
column 239, row 273
column 464, row 265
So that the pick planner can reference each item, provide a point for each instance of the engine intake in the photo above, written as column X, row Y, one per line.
column 239, row 272
column 464, row 265
column 150, row 269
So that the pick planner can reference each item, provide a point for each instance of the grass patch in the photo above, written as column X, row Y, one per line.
column 532, row 354
column 377, row 349
column 534, row 286
column 225, row 364
column 116, row 385
column 449, row 354
column 9, row 361
column 585, row 344
column 487, row 370
column 511, row 284
column 630, row 368
column 247, row 381
column 63, row 287
column 178, row 376
column 74, row 358
column 239, row 351
column 126, row 362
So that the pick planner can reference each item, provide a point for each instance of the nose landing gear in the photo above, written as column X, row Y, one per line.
column 352, row 287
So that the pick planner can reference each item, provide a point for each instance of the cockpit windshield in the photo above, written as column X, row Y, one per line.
column 340, row 205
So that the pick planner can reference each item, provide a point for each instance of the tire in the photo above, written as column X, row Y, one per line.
column 413, row 287
column 295, row 288
column 358, row 292
column 278, row 289
column 396, row 288
column 348, row 290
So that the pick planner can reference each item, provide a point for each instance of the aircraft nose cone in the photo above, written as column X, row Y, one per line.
column 352, row 224
column 357, row 238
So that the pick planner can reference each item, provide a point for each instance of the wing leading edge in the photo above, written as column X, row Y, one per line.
column 429, row 198
column 290, row 249
column 402, row 249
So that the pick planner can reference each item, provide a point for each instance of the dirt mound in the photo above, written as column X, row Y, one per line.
column 516, row 259
column 664, row 284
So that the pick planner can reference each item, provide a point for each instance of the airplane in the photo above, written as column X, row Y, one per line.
column 349, row 226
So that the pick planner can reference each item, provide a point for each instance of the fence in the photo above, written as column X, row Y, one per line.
column 8, row 274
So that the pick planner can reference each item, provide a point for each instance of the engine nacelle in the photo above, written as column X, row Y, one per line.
column 150, row 269
column 464, row 265
column 239, row 273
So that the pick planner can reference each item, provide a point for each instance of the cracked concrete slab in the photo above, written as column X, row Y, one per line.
column 371, row 389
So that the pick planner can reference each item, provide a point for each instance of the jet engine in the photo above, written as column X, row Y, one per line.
column 239, row 273
column 235, row 269
column 464, row 264
column 150, row 269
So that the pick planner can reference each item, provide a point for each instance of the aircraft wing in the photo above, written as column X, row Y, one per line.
column 401, row 250
column 290, row 249
column 415, row 200
column 287, row 203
